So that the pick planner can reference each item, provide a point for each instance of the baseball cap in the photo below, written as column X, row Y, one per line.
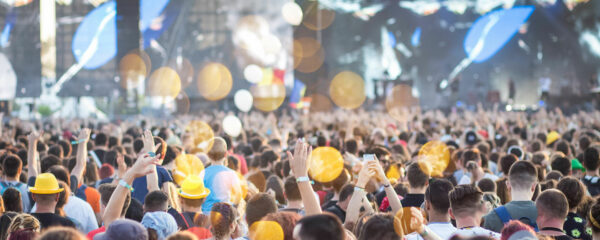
column 123, row 229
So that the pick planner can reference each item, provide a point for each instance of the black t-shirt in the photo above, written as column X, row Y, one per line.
column 50, row 219
column 562, row 237
column 413, row 200
column 336, row 210
column 592, row 184
column 329, row 204
column 576, row 227
column 100, row 153
column 184, row 220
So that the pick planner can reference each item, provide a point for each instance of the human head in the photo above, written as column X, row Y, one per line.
column 23, row 221
column 562, row 164
column 554, row 175
column 471, row 155
column 591, row 159
column 287, row 221
column 124, row 229
column 522, row 176
column 49, row 161
column 259, row 206
column 63, row 198
column 292, row 193
column 66, row 147
column 223, row 220
column 512, row 227
column 161, row 222
column 417, row 179
column 106, row 190
column 268, row 158
column 12, row 200
column 436, row 196
column 319, row 226
column 218, row 152
column 12, row 166
column 101, row 140
column 156, row 201
column 345, row 195
column 351, row 146
column 593, row 218
column 563, row 147
column 379, row 226
column 551, row 205
column 506, row 162
column 61, row 233
column 276, row 185
column 466, row 201
column 56, row 150
column 573, row 189
column 183, row 235
column 487, row 185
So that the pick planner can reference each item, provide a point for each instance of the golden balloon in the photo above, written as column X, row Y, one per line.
column 268, row 98
column 326, row 164
column 266, row 230
column 186, row 165
column 434, row 157
column 214, row 81
column 347, row 90
column 202, row 135
column 165, row 82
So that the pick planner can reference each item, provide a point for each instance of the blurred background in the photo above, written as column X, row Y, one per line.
column 77, row 58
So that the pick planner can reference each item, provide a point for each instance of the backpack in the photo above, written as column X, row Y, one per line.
column 81, row 192
column 505, row 217
column 6, row 185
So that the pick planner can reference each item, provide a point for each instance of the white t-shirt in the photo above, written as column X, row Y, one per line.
column 443, row 230
column 466, row 179
column 476, row 231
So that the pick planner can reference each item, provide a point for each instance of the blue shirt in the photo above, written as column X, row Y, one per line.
column 223, row 184
column 140, row 186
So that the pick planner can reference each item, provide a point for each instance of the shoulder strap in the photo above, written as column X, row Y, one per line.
column 503, row 214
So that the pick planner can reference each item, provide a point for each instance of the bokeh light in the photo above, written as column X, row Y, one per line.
column 316, row 18
column 267, row 76
column 253, row 73
column 326, row 164
column 292, row 13
column 214, row 81
column 320, row 103
column 132, row 70
column 268, row 98
column 347, row 90
column 296, row 53
column 165, row 82
column 266, row 230
column 434, row 157
column 399, row 99
column 308, row 55
column 202, row 135
column 271, row 44
column 184, row 68
column 232, row 126
column 243, row 100
column 186, row 165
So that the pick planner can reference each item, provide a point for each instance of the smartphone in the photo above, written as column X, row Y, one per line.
column 369, row 157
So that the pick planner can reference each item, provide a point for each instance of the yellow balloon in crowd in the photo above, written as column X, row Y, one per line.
column 347, row 90
column 268, row 98
column 393, row 173
column 186, row 165
column 326, row 164
column 266, row 230
column 214, row 81
column 202, row 134
column 398, row 222
column 434, row 157
column 165, row 82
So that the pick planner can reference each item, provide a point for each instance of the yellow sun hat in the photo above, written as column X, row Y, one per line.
column 45, row 183
column 552, row 137
column 193, row 188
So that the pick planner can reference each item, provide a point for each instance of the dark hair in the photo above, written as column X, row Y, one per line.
column 49, row 161
column 113, row 141
column 106, row 190
column 135, row 211
column 156, row 201
column 110, row 157
column 584, row 142
column 465, row 199
column 5, row 221
column 592, row 216
column 346, row 192
column 66, row 147
column 591, row 158
column 101, row 139
column 536, row 145
column 267, row 158
column 170, row 155
column 379, row 226
column 562, row 164
column 440, row 189
column 486, row 185
column 416, row 177
column 233, row 163
column 554, row 175
column 522, row 175
column 339, row 181
column 291, row 189
column 351, row 146
column 538, row 158
column 23, row 156
column 56, row 150
column 256, row 143
column 12, row 200
column 222, row 215
column 548, row 184
column 11, row 165
column 275, row 183
column 573, row 189
column 553, row 202
column 61, row 174
column 287, row 221
column 259, row 206
column 506, row 162
column 563, row 146
column 321, row 226
column 138, row 144
column 471, row 155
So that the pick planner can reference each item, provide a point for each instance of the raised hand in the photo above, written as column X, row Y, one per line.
column 84, row 135
column 144, row 165
column 377, row 169
column 122, row 167
column 300, row 160
column 148, row 140
column 365, row 175
column 417, row 221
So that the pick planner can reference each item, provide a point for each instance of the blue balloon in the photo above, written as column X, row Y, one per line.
column 492, row 31
column 95, row 41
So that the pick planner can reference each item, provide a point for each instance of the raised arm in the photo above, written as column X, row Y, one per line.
column 390, row 192
column 32, row 154
column 417, row 222
column 355, row 203
column 300, row 162
column 144, row 165
column 152, row 177
column 81, row 159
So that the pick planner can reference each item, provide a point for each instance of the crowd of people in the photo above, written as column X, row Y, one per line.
column 504, row 175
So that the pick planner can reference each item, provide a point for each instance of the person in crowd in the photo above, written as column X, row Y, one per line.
column 292, row 194
column 552, row 206
column 123, row 229
column 522, row 181
column 258, row 206
column 575, row 226
column 591, row 162
column 106, row 190
column 61, row 233
column 563, row 165
column 222, row 182
column 467, row 208
column 191, row 197
column 287, row 220
column 23, row 226
column 514, row 230
column 223, row 218
column 436, row 207
column 160, row 176
column 339, row 209
column 320, row 226
column 45, row 193
column 12, row 200
column 11, row 171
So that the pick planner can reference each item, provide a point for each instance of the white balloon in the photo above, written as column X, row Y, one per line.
column 232, row 125
column 253, row 73
column 292, row 13
column 243, row 100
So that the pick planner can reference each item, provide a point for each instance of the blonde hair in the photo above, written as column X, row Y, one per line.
column 171, row 191
column 64, row 233
column 219, row 149
column 24, row 221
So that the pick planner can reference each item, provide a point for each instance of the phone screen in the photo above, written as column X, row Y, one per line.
column 369, row 157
